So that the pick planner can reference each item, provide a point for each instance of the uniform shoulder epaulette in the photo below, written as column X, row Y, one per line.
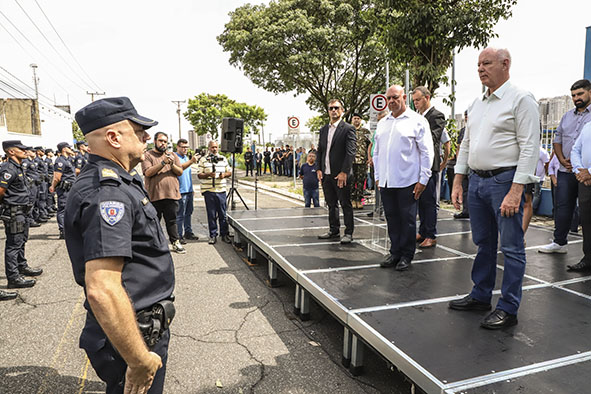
column 108, row 175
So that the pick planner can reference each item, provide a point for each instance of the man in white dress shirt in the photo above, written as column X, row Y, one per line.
column 501, row 147
column 402, row 158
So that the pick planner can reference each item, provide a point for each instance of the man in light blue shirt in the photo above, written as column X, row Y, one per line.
column 403, row 156
column 183, row 217
column 580, row 158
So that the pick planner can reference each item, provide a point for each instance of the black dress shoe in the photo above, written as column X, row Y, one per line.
column 226, row 238
column 191, row 237
column 582, row 265
column 390, row 261
column 21, row 282
column 461, row 215
column 34, row 224
column 182, row 241
column 329, row 235
column 61, row 235
column 41, row 219
column 28, row 271
column 498, row 319
column 403, row 264
column 469, row 304
column 7, row 295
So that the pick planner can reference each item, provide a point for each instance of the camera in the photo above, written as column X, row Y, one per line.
column 214, row 159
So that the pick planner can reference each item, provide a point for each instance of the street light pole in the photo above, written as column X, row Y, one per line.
column 178, row 111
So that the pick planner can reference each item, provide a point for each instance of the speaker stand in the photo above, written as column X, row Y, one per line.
column 230, row 197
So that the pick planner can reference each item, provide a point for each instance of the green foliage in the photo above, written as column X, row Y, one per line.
column 452, row 130
column 205, row 113
column 425, row 34
column 326, row 49
column 316, row 123
column 76, row 132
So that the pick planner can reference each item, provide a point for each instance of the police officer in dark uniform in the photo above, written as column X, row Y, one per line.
column 43, row 186
column 14, row 196
column 63, row 179
column 119, row 253
column 82, row 157
column 50, row 196
column 31, row 178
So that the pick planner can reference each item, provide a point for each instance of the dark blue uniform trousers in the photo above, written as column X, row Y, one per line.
column 428, row 208
column 62, row 197
column 215, row 205
column 400, row 209
column 110, row 367
column 14, row 251
column 485, row 198
column 566, row 193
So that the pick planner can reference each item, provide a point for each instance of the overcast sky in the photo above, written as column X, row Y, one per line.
column 155, row 52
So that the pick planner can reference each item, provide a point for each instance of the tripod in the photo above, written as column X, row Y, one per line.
column 230, row 197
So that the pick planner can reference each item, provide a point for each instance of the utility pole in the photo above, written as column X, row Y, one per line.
column 92, row 94
column 36, row 103
column 178, row 111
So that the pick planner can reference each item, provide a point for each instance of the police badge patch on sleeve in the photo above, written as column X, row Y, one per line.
column 112, row 211
column 7, row 175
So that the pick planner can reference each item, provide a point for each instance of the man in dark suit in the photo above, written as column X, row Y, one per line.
column 428, row 201
column 337, row 144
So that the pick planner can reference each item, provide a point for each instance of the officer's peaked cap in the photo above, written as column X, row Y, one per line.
column 63, row 145
column 107, row 111
column 13, row 144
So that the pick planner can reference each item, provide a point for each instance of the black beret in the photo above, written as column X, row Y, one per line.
column 107, row 111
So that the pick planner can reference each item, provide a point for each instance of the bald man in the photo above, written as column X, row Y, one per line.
column 500, row 146
column 119, row 253
column 403, row 156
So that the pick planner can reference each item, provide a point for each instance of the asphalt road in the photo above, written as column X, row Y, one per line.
column 232, row 333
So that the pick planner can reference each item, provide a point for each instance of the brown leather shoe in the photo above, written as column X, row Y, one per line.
column 428, row 243
column 419, row 238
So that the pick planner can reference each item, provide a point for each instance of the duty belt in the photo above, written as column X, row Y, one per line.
column 155, row 320
column 491, row 173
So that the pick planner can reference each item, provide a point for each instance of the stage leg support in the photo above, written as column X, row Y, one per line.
column 272, row 272
column 357, row 348
column 346, row 360
column 297, row 303
column 304, row 305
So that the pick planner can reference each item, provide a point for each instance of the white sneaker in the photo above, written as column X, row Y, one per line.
column 553, row 247
column 177, row 247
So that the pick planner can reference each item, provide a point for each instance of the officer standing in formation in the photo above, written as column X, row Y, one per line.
column 44, row 209
column 50, row 195
column 119, row 253
column 32, row 178
column 16, row 203
column 82, row 156
column 63, row 178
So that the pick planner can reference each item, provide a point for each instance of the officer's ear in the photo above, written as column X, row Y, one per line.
column 113, row 138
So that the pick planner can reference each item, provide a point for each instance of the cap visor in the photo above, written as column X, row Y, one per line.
column 143, row 121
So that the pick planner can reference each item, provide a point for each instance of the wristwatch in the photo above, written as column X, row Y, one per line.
column 163, row 163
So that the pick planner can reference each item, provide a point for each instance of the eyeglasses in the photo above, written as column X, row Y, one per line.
column 334, row 108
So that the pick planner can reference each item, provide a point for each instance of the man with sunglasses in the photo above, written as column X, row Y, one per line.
column 337, row 144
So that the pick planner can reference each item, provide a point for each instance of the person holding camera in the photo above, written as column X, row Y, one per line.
column 64, row 176
column 183, row 217
column 213, row 169
column 161, row 169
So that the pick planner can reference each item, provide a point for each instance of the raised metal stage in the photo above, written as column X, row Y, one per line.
column 404, row 316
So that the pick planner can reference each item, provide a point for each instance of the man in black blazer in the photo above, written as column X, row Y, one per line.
column 428, row 201
column 337, row 144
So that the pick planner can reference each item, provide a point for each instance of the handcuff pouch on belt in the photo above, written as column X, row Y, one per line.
column 65, row 185
column 155, row 320
column 8, row 216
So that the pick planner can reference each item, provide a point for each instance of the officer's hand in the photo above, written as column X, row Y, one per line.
column 138, row 379
column 418, row 190
column 511, row 202
column 341, row 180
column 51, row 189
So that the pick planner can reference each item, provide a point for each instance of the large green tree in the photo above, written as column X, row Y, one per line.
column 325, row 49
column 206, row 111
column 424, row 34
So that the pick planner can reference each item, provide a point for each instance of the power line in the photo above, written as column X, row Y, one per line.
column 41, row 53
column 22, row 82
column 50, row 44
column 64, row 43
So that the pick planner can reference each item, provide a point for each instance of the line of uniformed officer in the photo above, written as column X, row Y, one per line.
column 17, row 203
column 64, row 175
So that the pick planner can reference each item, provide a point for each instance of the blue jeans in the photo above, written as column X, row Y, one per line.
column 215, row 204
column 183, row 217
column 566, row 193
column 311, row 195
column 485, row 198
